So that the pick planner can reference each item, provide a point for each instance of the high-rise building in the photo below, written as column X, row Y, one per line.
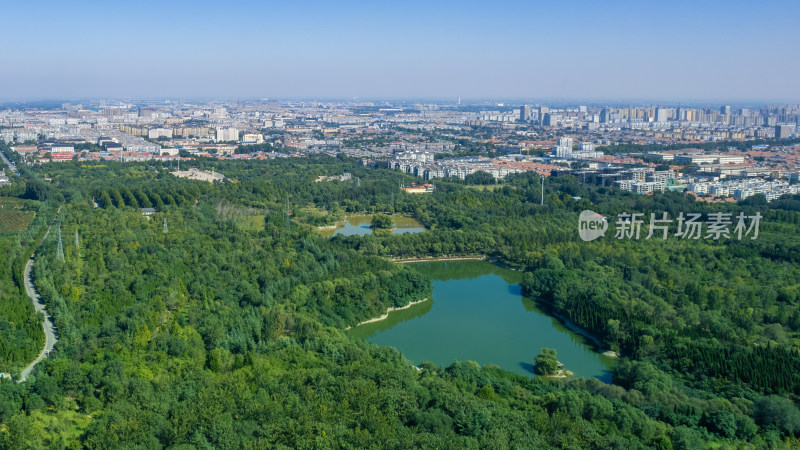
column 524, row 113
column 155, row 133
column 725, row 110
column 564, row 148
column 226, row 134
column 551, row 120
column 662, row 114
column 604, row 115
column 543, row 111
column 783, row 131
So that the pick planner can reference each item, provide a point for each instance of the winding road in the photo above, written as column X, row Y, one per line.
column 50, row 333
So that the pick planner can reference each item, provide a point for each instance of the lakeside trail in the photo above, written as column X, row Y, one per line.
column 50, row 334
column 390, row 309
column 438, row 258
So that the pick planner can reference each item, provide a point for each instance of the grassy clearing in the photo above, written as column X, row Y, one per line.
column 483, row 187
column 62, row 426
column 251, row 223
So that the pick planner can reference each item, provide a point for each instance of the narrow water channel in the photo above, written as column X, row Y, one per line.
column 359, row 225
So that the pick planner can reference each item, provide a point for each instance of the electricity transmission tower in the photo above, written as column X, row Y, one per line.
column 542, row 190
column 288, row 220
column 60, row 250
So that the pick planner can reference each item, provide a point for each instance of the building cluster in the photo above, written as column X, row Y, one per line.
column 425, row 167
column 698, row 157
column 647, row 181
column 426, row 188
column 733, row 175
column 200, row 175
column 431, row 140
column 679, row 123
column 347, row 176
column 641, row 180
column 564, row 150
column 741, row 189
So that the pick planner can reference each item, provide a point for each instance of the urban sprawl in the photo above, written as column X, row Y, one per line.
column 718, row 153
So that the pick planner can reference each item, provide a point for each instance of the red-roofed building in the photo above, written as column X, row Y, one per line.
column 62, row 156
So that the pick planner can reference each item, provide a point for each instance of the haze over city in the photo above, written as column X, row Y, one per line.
column 731, row 51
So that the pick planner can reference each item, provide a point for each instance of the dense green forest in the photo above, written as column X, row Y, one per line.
column 217, row 322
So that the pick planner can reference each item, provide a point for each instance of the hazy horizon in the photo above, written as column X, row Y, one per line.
column 444, row 102
column 627, row 52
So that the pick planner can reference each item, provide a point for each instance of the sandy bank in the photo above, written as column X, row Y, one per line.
column 383, row 316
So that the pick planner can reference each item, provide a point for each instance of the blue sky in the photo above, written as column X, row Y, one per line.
column 575, row 50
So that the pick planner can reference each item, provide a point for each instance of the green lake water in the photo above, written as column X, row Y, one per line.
column 359, row 225
column 478, row 313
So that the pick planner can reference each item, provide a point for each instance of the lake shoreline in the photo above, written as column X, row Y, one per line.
column 578, row 330
column 389, row 310
column 480, row 315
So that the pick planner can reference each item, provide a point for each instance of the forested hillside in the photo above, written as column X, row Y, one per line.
column 217, row 322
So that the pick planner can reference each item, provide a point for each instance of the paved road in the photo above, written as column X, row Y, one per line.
column 8, row 163
column 50, row 333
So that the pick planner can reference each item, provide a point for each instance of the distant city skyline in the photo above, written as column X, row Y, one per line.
column 468, row 103
column 627, row 52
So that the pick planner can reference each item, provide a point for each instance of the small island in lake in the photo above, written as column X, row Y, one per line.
column 547, row 365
